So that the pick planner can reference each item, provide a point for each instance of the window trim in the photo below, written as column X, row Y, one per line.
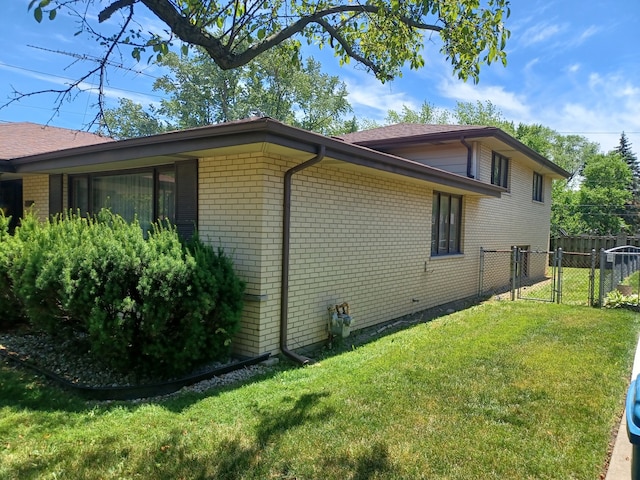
column 436, row 238
column 538, row 188
column 501, row 170
column 154, row 170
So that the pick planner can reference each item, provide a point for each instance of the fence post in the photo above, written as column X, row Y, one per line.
column 480, row 285
column 603, row 263
column 559, row 284
column 514, row 271
column 592, row 277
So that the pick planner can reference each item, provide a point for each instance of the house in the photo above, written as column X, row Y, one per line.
column 390, row 220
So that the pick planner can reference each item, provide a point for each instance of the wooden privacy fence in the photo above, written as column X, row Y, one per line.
column 586, row 243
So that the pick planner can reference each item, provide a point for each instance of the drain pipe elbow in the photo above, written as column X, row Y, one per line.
column 469, row 157
column 286, row 259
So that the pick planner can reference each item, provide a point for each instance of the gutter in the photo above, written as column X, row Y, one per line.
column 469, row 157
column 286, row 259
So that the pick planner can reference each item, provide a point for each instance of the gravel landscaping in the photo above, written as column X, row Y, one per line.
column 71, row 361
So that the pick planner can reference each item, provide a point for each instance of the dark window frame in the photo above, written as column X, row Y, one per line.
column 538, row 187
column 500, row 170
column 442, row 243
column 155, row 171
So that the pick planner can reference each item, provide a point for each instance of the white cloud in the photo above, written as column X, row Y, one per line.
column 372, row 99
column 512, row 105
column 600, row 109
column 573, row 68
column 540, row 33
column 589, row 32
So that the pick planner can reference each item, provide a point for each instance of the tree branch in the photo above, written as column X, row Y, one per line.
column 79, row 85
column 105, row 14
column 226, row 59
column 347, row 48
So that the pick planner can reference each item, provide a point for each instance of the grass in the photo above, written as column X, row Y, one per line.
column 514, row 390
column 575, row 287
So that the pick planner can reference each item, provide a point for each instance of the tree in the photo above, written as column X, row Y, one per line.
column 568, row 151
column 481, row 113
column 130, row 120
column 566, row 214
column 381, row 35
column 604, row 193
column 199, row 93
column 624, row 151
column 428, row 113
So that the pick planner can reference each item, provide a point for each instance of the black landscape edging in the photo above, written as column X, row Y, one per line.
column 133, row 392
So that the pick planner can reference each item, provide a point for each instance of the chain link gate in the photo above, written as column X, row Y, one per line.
column 548, row 276
column 535, row 276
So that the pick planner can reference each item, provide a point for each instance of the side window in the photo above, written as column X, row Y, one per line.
column 168, row 192
column 446, row 219
column 538, row 183
column 499, row 170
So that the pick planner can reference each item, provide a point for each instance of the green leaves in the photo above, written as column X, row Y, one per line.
column 39, row 11
column 150, row 305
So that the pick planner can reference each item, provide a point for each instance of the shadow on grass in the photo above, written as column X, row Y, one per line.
column 262, row 452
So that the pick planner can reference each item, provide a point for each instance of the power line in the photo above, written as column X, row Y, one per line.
column 67, row 79
column 599, row 133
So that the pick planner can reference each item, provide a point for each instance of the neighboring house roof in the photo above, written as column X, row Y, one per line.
column 404, row 131
column 21, row 139
column 406, row 134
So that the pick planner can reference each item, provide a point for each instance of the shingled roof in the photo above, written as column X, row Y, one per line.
column 406, row 131
column 22, row 139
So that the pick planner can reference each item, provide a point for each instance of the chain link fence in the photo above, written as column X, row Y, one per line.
column 556, row 276
column 495, row 272
column 619, row 271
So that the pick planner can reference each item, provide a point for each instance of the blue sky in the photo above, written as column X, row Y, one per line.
column 573, row 65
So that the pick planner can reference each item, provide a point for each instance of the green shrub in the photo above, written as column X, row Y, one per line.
column 36, row 271
column 10, row 306
column 223, row 318
column 153, row 305
column 615, row 299
column 101, row 288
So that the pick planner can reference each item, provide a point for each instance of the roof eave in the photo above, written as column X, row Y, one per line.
column 468, row 134
column 6, row 167
column 246, row 132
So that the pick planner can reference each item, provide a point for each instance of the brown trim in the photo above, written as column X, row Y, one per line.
column 469, row 134
column 55, row 194
column 263, row 130
column 286, row 257
column 6, row 167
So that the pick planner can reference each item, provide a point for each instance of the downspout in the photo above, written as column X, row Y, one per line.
column 286, row 241
column 469, row 157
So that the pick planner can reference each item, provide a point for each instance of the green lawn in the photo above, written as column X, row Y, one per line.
column 518, row 390
column 575, row 287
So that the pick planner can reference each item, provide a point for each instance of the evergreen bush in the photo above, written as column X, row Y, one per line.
column 153, row 305
column 11, row 308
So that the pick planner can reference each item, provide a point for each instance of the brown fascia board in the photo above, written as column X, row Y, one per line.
column 468, row 134
column 6, row 167
column 262, row 130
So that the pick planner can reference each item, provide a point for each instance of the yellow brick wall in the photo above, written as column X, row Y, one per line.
column 35, row 188
column 356, row 237
column 360, row 239
column 240, row 209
